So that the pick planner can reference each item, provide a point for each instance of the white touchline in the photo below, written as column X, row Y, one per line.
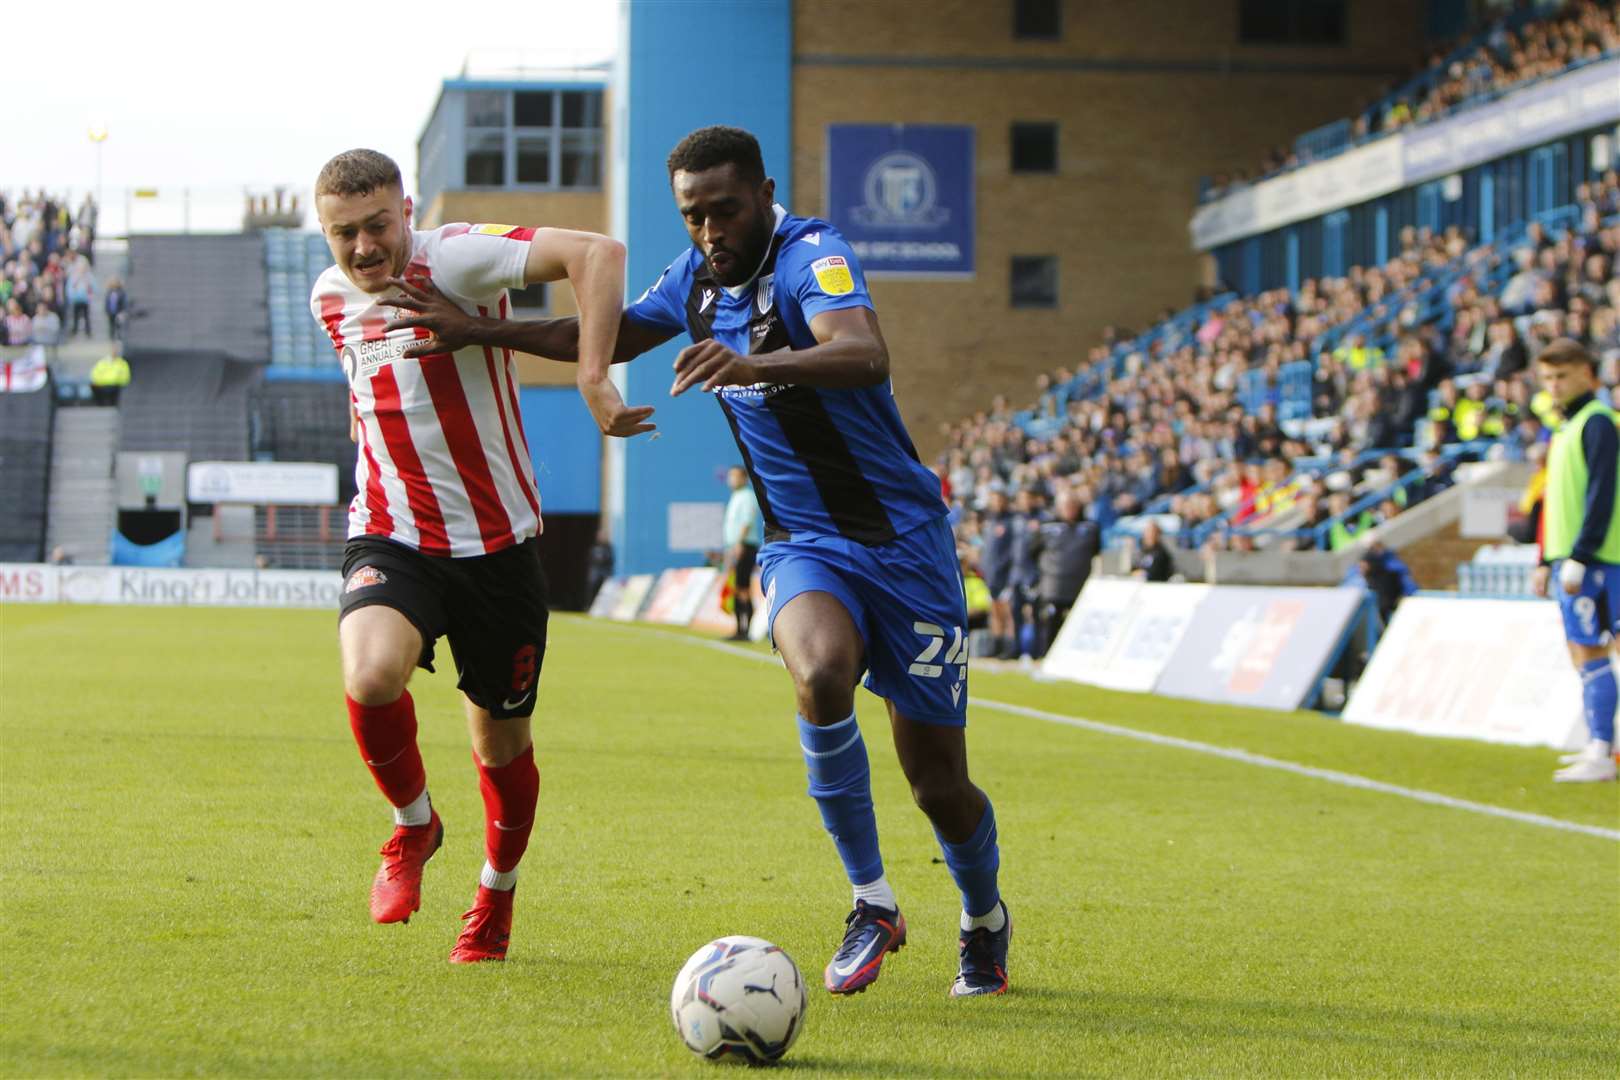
column 1332, row 776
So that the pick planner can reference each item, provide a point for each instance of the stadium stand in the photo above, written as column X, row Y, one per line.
column 195, row 404
column 25, row 459
column 298, row 349
column 1301, row 418
column 1515, row 51
column 302, row 421
column 197, row 295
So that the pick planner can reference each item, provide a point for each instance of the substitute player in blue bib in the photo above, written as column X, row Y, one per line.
column 859, row 567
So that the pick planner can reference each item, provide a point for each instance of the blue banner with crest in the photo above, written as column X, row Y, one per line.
column 902, row 195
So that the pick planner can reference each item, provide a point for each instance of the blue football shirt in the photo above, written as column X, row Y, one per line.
column 822, row 462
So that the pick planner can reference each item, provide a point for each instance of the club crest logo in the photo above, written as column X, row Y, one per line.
column 364, row 578
column 901, row 191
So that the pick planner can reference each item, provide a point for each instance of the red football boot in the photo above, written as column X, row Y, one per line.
column 396, row 891
column 489, row 924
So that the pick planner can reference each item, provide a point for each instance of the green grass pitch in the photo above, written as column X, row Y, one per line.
column 188, row 836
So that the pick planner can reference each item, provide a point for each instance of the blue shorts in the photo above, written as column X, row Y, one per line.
column 1595, row 610
column 905, row 598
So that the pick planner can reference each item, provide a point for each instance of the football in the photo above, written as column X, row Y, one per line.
column 739, row 996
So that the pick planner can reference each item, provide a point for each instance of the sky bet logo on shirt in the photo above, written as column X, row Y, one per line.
column 832, row 274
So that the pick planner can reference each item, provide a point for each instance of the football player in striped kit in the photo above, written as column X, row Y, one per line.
column 442, row 528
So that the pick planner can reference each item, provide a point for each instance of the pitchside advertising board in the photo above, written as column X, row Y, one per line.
column 1242, row 646
column 1496, row 670
column 1122, row 633
column 1260, row 646
column 40, row 584
column 902, row 195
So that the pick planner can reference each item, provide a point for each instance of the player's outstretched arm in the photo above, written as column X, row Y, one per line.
column 594, row 265
column 554, row 339
column 849, row 353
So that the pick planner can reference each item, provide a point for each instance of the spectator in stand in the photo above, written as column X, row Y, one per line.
column 1506, row 357
column 19, row 327
column 47, row 329
column 1137, row 412
column 81, row 286
column 1572, row 33
column 115, row 303
column 1025, row 575
column 1154, row 561
column 995, row 563
column 1064, row 548
column 41, row 245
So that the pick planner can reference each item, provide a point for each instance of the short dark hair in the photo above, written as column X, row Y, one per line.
column 357, row 172
column 709, row 147
column 1566, row 351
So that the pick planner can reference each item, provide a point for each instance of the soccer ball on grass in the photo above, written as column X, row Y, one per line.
column 739, row 996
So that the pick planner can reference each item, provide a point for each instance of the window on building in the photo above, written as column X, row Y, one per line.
column 532, row 108
column 581, row 159
column 533, row 138
column 486, row 158
column 1034, row 148
column 1291, row 22
column 486, row 109
column 1034, row 281
column 582, row 109
column 534, row 159
column 1038, row 20
column 529, row 302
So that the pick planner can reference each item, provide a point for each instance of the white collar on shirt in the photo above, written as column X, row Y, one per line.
column 735, row 291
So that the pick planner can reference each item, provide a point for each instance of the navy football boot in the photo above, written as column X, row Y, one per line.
column 983, row 954
column 870, row 933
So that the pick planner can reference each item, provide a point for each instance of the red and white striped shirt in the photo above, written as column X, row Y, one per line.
column 443, row 465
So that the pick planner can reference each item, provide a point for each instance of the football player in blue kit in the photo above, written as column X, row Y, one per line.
column 859, row 566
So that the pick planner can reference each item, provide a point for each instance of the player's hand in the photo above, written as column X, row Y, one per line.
column 612, row 415
column 451, row 327
column 710, row 364
column 1539, row 580
column 1570, row 575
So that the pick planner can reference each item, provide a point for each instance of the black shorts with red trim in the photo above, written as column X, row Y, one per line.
column 493, row 609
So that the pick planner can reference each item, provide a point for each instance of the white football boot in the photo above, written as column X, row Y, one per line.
column 1593, row 764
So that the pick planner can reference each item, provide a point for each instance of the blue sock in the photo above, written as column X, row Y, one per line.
column 841, row 784
column 1599, row 692
column 973, row 864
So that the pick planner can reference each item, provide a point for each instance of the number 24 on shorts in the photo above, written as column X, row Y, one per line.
column 923, row 665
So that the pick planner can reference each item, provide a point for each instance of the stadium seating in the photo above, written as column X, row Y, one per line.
column 1349, row 370
column 298, row 349
column 200, row 295
column 1500, row 570
column 25, row 459
column 294, row 420
column 197, row 404
column 1516, row 50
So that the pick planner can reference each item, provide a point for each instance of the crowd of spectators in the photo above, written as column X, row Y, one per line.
column 47, row 276
column 1171, row 428
column 1579, row 31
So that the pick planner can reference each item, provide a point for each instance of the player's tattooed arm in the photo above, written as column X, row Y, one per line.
column 555, row 339
column 849, row 352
